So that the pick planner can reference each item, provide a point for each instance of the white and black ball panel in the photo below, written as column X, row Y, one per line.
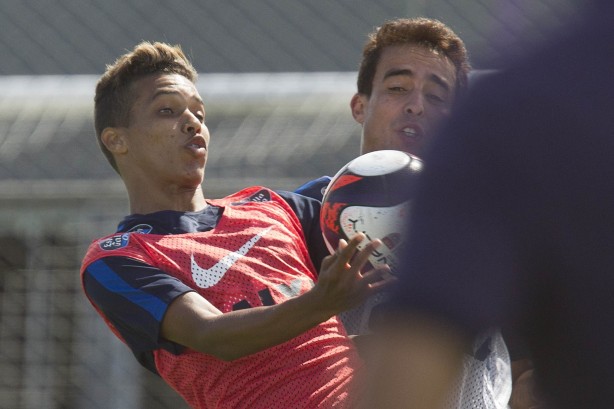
column 384, row 223
column 379, row 163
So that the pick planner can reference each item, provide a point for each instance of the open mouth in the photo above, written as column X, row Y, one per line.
column 413, row 132
column 196, row 143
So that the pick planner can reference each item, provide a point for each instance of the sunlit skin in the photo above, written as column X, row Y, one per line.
column 413, row 92
column 162, row 153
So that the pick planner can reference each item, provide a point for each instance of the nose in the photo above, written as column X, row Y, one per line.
column 192, row 124
column 415, row 103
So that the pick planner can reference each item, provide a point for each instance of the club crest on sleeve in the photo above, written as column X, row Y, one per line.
column 115, row 242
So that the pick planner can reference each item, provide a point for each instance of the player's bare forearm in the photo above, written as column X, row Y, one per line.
column 239, row 333
column 192, row 321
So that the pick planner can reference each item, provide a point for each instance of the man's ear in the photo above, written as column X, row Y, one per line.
column 358, row 104
column 114, row 140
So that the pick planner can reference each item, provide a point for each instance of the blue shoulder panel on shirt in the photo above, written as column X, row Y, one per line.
column 314, row 188
column 114, row 283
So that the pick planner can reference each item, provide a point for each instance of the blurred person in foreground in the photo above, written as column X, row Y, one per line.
column 220, row 298
column 513, row 225
column 412, row 73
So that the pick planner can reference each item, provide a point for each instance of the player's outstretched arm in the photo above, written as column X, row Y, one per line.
column 194, row 322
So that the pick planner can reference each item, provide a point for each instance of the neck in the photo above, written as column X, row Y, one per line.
column 173, row 198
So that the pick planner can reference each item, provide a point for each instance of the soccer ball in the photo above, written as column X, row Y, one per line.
column 371, row 194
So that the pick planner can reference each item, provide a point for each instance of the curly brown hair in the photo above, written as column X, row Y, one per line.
column 114, row 99
column 426, row 32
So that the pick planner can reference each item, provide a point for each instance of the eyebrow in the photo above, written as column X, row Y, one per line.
column 173, row 92
column 409, row 73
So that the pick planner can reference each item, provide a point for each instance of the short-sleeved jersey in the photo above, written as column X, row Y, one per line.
column 254, row 255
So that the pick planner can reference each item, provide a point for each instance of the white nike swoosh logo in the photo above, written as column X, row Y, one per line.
column 208, row 277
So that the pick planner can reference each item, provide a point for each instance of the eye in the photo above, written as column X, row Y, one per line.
column 166, row 110
column 397, row 89
column 437, row 100
column 200, row 116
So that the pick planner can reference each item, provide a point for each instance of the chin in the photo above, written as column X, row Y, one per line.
column 194, row 178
